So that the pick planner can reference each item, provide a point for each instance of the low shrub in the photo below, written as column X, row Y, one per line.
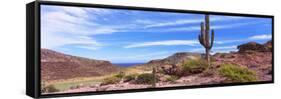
column 130, row 77
column 237, row 73
column 194, row 66
column 146, row 78
column 49, row 89
column 111, row 80
column 172, row 78
column 120, row 75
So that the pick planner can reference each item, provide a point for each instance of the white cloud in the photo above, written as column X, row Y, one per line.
column 187, row 29
column 216, row 27
column 173, row 23
column 75, row 11
column 225, row 26
column 224, row 47
column 88, row 47
column 227, row 41
column 216, row 49
column 61, row 26
column 144, row 21
column 54, row 41
column 164, row 43
column 190, row 21
column 261, row 37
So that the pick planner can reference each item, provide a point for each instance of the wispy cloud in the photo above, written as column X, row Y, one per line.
column 186, row 42
column 233, row 25
column 173, row 23
column 261, row 37
column 227, row 41
column 216, row 49
column 251, row 38
column 63, row 26
column 164, row 43
column 88, row 47
column 190, row 21
column 224, row 47
column 216, row 27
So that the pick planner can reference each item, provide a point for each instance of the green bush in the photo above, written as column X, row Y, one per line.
column 120, row 75
column 49, row 89
column 194, row 66
column 237, row 73
column 130, row 77
column 111, row 80
column 172, row 78
column 146, row 78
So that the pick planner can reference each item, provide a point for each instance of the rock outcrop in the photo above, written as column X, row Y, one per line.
column 256, row 47
column 172, row 64
column 176, row 58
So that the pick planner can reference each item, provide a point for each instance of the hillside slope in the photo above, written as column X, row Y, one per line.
column 56, row 65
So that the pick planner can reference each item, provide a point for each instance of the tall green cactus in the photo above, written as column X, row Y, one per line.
column 154, row 76
column 204, row 38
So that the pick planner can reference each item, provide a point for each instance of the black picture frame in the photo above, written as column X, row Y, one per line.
column 33, row 79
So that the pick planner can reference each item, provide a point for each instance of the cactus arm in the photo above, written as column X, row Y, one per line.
column 201, row 40
column 212, row 39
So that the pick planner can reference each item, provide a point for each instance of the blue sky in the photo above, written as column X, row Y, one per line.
column 130, row 36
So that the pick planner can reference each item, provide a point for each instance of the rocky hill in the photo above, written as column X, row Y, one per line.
column 176, row 58
column 170, row 64
column 253, row 46
column 56, row 65
column 252, row 55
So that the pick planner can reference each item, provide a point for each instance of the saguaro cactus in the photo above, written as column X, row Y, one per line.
column 204, row 38
column 154, row 76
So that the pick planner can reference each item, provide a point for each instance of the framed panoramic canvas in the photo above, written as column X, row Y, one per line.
column 79, row 49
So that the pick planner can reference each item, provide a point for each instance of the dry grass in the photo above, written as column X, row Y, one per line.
column 63, row 85
column 67, row 84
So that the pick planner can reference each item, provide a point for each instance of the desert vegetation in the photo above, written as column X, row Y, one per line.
column 237, row 73
column 195, row 66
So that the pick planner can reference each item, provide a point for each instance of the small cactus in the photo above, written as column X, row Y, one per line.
column 204, row 38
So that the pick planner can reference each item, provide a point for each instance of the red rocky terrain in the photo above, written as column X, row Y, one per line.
column 257, row 57
column 252, row 56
